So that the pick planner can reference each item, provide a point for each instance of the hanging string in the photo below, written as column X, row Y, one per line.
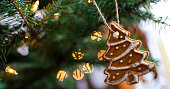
column 117, row 12
column 104, row 20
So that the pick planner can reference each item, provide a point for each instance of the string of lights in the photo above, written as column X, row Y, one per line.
column 7, row 69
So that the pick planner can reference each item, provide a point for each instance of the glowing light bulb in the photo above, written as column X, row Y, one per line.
column 56, row 16
column 27, row 35
column 35, row 6
column 10, row 70
column 89, row 1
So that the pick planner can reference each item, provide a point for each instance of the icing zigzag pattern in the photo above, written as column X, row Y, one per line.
column 127, row 62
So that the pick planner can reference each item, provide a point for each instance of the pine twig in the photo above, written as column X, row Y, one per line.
column 20, row 12
column 42, row 22
column 139, row 3
column 80, row 15
column 150, row 18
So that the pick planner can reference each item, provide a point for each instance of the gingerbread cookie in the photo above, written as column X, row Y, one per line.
column 127, row 62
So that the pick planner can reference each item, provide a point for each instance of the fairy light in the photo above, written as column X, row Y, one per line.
column 78, row 74
column 35, row 6
column 78, row 55
column 10, row 70
column 56, row 16
column 27, row 35
column 61, row 75
column 100, row 54
column 89, row 1
column 86, row 68
column 96, row 36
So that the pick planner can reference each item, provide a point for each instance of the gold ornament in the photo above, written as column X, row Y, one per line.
column 100, row 54
column 61, row 75
column 77, row 74
column 86, row 68
column 96, row 36
column 78, row 55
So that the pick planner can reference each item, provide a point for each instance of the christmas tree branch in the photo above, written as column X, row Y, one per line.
column 42, row 22
column 104, row 20
column 80, row 15
column 139, row 3
column 50, row 69
column 20, row 12
column 154, row 20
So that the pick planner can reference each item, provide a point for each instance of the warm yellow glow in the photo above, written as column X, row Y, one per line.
column 77, row 74
column 10, row 70
column 96, row 36
column 100, row 54
column 87, row 68
column 57, row 15
column 78, row 55
column 61, row 75
column 35, row 6
column 89, row 1
column 27, row 35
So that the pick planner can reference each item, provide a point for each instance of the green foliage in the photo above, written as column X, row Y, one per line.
column 7, row 9
column 57, row 39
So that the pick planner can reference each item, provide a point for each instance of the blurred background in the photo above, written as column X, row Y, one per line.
column 58, row 44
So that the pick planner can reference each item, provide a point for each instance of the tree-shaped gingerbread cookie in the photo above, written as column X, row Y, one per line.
column 127, row 62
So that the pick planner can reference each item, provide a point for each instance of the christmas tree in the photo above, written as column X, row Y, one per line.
column 127, row 62
column 38, row 41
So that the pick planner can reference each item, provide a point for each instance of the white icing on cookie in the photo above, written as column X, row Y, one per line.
column 132, row 65
column 116, row 34
column 114, row 77
column 111, row 53
column 130, row 55
column 117, row 73
column 121, row 61
column 116, row 43
column 118, row 27
column 133, row 46
column 136, row 78
column 114, row 82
